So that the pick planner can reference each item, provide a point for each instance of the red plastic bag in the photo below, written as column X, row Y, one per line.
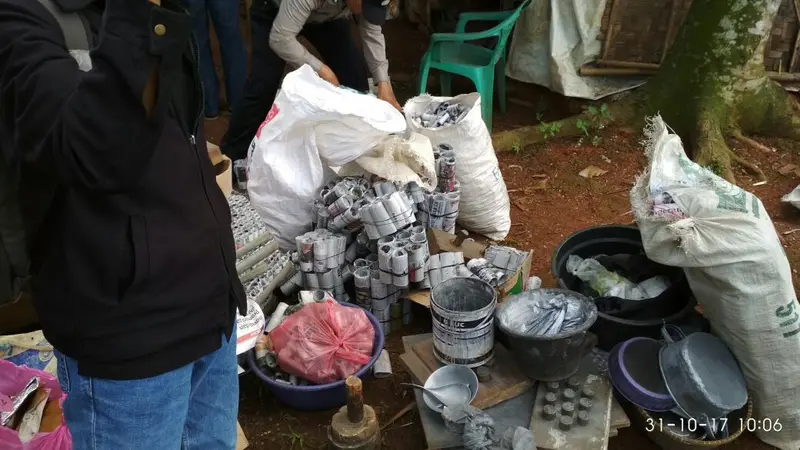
column 13, row 379
column 324, row 342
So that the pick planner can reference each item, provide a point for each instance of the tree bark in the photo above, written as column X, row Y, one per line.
column 713, row 86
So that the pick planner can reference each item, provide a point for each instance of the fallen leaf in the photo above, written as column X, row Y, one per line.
column 592, row 171
column 787, row 169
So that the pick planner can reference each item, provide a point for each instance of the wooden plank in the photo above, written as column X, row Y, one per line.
column 436, row 434
column 619, row 419
column 416, row 368
column 594, row 435
column 507, row 381
column 612, row 31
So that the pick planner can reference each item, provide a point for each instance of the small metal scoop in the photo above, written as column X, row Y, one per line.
column 447, row 395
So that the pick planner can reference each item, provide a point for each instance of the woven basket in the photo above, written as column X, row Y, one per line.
column 668, row 440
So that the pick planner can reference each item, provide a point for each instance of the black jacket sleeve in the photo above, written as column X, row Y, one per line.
column 88, row 129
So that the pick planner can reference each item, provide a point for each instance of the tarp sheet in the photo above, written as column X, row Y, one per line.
column 553, row 39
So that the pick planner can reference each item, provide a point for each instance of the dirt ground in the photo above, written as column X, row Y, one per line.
column 549, row 202
column 544, row 212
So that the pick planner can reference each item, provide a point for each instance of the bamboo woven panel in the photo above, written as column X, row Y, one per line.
column 641, row 30
column 783, row 38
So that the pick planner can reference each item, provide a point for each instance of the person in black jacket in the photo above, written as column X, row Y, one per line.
column 131, row 248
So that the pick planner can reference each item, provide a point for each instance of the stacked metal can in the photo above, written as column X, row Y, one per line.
column 321, row 259
column 439, row 209
column 441, row 114
column 240, row 173
column 338, row 203
column 444, row 266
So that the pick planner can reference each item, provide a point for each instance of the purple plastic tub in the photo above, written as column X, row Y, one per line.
column 321, row 396
column 634, row 369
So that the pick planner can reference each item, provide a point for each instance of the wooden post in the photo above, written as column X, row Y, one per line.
column 355, row 426
column 355, row 399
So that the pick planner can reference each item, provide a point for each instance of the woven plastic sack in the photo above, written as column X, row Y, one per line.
column 13, row 379
column 324, row 342
column 485, row 207
column 726, row 244
column 311, row 127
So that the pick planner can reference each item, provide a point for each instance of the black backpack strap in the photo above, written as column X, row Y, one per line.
column 73, row 27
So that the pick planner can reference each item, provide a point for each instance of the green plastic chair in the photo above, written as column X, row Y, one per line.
column 450, row 53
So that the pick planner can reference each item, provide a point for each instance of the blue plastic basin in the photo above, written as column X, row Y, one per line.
column 319, row 397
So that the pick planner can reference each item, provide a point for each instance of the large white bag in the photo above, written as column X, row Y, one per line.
column 725, row 241
column 484, row 207
column 311, row 127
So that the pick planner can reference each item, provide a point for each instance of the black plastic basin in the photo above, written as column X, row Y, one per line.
column 674, row 305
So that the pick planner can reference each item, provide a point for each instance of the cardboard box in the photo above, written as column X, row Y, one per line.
column 224, row 171
column 223, row 168
column 440, row 241
column 241, row 440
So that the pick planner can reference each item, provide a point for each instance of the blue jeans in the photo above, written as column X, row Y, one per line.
column 194, row 407
column 225, row 17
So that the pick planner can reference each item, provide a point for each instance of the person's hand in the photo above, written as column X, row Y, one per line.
column 155, row 2
column 327, row 74
column 386, row 94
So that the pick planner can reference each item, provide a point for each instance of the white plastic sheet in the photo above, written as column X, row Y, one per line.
column 553, row 39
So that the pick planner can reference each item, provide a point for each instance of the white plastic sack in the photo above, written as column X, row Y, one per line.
column 399, row 159
column 725, row 241
column 792, row 197
column 485, row 207
column 311, row 127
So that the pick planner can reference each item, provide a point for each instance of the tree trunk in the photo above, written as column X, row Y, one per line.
column 713, row 86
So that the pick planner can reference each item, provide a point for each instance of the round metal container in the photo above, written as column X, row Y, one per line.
column 463, row 321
